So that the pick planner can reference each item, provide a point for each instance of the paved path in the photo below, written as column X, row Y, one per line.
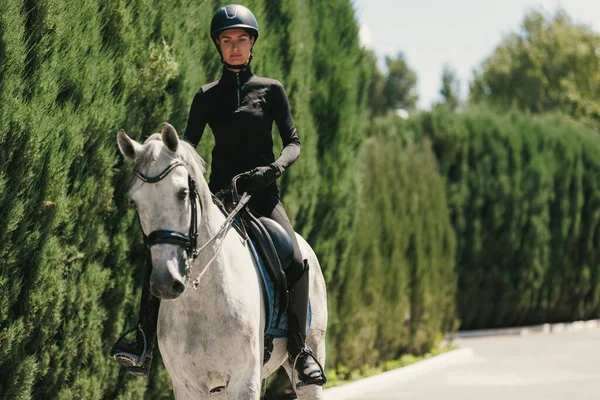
column 559, row 366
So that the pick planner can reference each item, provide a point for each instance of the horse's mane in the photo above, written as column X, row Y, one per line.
column 185, row 152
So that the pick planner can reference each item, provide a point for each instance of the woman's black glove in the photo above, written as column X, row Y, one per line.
column 259, row 178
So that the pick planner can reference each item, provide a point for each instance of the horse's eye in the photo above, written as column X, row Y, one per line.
column 182, row 194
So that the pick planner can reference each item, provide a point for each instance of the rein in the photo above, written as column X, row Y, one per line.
column 189, row 242
column 223, row 229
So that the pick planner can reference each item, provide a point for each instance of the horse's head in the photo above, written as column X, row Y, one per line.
column 165, row 195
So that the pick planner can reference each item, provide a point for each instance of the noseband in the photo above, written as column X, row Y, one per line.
column 170, row 237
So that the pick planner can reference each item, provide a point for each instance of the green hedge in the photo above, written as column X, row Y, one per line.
column 70, row 249
column 71, row 75
column 398, row 289
column 524, row 201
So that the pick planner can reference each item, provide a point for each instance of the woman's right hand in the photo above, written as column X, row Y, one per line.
column 257, row 179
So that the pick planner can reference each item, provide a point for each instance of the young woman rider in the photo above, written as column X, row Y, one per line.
column 240, row 108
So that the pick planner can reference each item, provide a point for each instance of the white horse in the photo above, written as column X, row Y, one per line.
column 211, row 338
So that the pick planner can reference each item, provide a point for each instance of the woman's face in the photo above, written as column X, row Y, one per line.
column 235, row 46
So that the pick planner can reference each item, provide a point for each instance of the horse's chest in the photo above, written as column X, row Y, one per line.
column 218, row 331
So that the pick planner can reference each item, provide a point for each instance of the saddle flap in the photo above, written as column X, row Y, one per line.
column 267, row 250
column 281, row 240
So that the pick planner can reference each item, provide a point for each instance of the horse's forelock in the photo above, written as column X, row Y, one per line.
column 147, row 155
column 185, row 152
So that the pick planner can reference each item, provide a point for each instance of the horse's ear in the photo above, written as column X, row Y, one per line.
column 128, row 147
column 169, row 137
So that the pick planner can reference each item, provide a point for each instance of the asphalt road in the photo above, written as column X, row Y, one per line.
column 558, row 366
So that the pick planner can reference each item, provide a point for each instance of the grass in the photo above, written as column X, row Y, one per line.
column 342, row 375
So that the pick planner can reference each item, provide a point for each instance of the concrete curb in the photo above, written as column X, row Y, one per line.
column 543, row 329
column 360, row 389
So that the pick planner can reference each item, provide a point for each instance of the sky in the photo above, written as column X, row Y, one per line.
column 460, row 33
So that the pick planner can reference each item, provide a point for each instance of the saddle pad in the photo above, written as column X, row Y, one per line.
column 272, row 301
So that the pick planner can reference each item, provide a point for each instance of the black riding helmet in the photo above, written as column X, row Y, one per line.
column 233, row 16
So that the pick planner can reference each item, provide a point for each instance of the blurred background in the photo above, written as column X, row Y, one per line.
column 448, row 179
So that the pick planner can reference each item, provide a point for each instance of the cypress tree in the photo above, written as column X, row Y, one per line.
column 398, row 289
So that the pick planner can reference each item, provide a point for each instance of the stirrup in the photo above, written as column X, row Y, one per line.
column 319, row 379
column 135, row 364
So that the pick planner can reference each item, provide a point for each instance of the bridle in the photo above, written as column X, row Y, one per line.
column 163, row 236
column 189, row 242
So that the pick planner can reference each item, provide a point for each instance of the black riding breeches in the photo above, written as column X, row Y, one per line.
column 278, row 214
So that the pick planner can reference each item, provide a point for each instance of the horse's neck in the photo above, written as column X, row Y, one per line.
column 211, row 219
column 210, row 225
column 228, row 292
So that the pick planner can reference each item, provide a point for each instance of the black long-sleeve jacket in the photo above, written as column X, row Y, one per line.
column 240, row 109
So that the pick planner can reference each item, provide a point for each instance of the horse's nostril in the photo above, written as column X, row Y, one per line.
column 178, row 288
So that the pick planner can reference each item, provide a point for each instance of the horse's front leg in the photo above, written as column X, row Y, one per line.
column 247, row 387
column 182, row 391
column 245, row 383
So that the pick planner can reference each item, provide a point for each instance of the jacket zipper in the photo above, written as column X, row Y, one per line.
column 237, row 74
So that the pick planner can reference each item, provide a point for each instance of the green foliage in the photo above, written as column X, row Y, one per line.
column 337, row 98
column 524, row 203
column 450, row 90
column 551, row 64
column 377, row 102
column 398, row 289
column 343, row 375
column 399, row 90
column 395, row 90
column 69, row 78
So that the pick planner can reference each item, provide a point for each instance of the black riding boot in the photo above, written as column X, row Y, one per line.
column 310, row 372
column 137, row 356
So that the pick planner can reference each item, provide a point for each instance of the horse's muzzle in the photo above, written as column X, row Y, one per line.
column 168, row 290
